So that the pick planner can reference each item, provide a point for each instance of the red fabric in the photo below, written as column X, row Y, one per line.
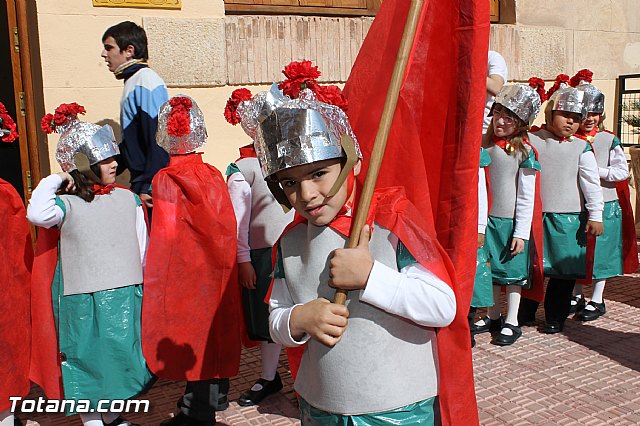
column 15, row 283
column 45, row 370
column 433, row 149
column 191, row 308
column 99, row 189
column 629, row 244
column 536, row 244
column 247, row 151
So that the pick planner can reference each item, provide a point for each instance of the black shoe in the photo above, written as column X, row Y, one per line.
column 119, row 421
column 553, row 327
column 489, row 325
column 591, row 315
column 183, row 420
column 252, row 397
column 505, row 339
column 577, row 304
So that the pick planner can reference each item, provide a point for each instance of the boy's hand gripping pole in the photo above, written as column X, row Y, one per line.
column 384, row 127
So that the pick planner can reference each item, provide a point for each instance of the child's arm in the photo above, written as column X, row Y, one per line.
column 240, row 193
column 42, row 209
column 524, row 208
column 618, row 169
column 589, row 180
column 413, row 293
column 142, row 233
column 483, row 205
column 293, row 324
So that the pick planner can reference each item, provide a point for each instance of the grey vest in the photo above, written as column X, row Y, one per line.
column 602, row 147
column 503, row 172
column 382, row 361
column 559, row 186
column 267, row 218
column 98, row 245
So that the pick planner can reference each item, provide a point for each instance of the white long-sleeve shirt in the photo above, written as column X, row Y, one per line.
column 240, row 193
column 525, row 199
column 618, row 169
column 43, row 211
column 483, row 202
column 589, row 180
column 413, row 293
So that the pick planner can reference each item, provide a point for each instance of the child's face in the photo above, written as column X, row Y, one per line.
column 307, row 186
column 108, row 171
column 565, row 123
column 505, row 123
column 589, row 123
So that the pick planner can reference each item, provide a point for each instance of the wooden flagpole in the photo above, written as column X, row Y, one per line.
column 383, row 131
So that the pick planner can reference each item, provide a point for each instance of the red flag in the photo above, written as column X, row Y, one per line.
column 433, row 148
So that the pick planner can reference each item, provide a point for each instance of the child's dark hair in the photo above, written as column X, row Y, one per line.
column 516, row 139
column 84, row 184
column 129, row 33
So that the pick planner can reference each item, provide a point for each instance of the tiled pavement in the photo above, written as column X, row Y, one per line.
column 587, row 375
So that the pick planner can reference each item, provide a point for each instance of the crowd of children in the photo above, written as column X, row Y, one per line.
column 554, row 202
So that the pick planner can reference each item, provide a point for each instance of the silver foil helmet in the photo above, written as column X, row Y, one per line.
column 196, row 138
column 594, row 98
column 291, row 132
column 79, row 137
column 521, row 99
column 569, row 99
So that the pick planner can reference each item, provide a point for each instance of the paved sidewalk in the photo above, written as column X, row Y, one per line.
column 587, row 375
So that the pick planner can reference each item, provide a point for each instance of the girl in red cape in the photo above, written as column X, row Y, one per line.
column 15, row 277
column 615, row 252
column 91, row 245
column 191, row 311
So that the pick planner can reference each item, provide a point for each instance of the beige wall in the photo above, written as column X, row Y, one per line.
column 197, row 50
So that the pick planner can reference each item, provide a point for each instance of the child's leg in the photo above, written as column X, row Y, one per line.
column 494, row 311
column 91, row 419
column 513, row 303
column 577, row 290
column 557, row 303
column 577, row 301
column 598, row 292
column 7, row 418
column 270, row 353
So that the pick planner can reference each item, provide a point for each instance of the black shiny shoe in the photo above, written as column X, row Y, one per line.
column 505, row 339
column 183, row 420
column 119, row 421
column 577, row 304
column 489, row 325
column 591, row 315
column 553, row 327
column 267, row 387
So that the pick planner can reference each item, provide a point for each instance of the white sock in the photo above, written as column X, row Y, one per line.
column 577, row 290
column 494, row 311
column 598, row 291
column 7, row 418
column 513, row 304
column 270, row 353
column 91, row 419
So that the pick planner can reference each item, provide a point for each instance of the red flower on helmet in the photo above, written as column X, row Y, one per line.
column 179, row 120
column 231, row 109
column 8, row 124
column 538, row 85
column 560, row 79
column 582, row 75
column 331, row 95
column 60, row 116
column 300, row 75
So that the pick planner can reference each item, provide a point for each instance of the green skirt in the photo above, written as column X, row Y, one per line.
column 418, row 413
column 565, row 245
column 608, row 260
column 506, row 269
column 482, row 289
column 256, row 311
column 99, row 335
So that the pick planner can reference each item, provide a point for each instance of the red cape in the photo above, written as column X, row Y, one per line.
column 433, row 149
column 191, row 306
column 15, row 278
column 45, row 370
